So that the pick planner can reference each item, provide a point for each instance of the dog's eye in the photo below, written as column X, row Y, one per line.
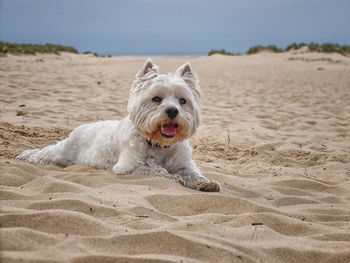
column 182, row 101
column 156, row 99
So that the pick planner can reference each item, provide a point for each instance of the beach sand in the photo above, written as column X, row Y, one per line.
column 275, row 135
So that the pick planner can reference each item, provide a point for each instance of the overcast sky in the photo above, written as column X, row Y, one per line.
column 173, row 26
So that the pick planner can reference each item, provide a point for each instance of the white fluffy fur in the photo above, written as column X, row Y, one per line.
column 135, row 144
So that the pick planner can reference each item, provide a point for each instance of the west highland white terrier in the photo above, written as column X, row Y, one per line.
column 164, row 111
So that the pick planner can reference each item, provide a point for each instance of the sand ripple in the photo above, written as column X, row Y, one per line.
column 275, row 135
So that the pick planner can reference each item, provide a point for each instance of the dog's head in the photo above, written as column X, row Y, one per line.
column 165, row 108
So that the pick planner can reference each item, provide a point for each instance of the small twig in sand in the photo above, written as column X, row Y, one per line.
column 256, row 225
column 228, row 136
column 254, row 233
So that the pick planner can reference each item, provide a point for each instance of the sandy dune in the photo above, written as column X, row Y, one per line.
column 275, row 135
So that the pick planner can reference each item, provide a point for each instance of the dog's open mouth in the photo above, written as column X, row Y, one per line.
column 168, row 130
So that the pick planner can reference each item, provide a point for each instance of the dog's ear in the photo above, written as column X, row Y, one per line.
column 185, row 69
column 148, row 67
column 189, row 76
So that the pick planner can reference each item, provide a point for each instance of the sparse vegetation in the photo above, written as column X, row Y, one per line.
column 314, row 60
column 334, row 48
column 324, row 48
column 258, row 49
column 89, row 52
column 312, row 47
column 30, row 49
column 221, row 52
column 295, row 46
column 13, row 48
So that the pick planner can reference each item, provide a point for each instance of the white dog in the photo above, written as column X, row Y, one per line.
column 164, row 111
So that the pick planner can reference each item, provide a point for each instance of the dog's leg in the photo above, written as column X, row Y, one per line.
column 192, row 178
column 131, row 163
column 158, row 171
column 127, row 162
column 51, row 154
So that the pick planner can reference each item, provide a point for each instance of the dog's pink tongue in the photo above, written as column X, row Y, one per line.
column 169, row 129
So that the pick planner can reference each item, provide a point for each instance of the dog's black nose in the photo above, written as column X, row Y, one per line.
column 172, row 112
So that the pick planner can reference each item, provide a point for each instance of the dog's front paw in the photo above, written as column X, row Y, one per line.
column 208, row 186
column 119, row 168
column 177, row 178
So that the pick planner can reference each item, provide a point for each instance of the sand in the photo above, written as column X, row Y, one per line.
column 275, row 135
